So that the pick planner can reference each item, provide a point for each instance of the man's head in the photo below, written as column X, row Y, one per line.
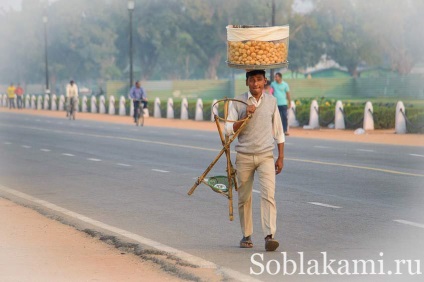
column 137, row 84
column 71, row 82
column 256, row 81
column 278, row 77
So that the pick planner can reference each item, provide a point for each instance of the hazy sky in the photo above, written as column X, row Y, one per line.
column 8, row 4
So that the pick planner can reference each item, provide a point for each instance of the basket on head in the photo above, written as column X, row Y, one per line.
column 257, row 47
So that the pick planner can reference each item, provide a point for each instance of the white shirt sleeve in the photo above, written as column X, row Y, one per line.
column 232, row 115
column 278, row 128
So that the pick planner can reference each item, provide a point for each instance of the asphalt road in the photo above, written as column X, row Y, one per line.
column 350, row 200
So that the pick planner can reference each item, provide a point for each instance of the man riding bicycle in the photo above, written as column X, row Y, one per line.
column 138, row 94
column 72, row 98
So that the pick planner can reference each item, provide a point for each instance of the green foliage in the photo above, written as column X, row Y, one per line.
column 416, row 120
column 384, row 117
column 186, row 39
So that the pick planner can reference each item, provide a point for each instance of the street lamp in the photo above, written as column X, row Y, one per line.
column 131, row 6
column 45, row 20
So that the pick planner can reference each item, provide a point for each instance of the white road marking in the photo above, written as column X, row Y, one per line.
column 60, row 123
column 159, row 170
column 48, row 121
column 209, row 149
column 123, row 164
column 26, row 146
column 416, row 155
column 322, row 147
column 7, row 143
column 256, row 191
column 197, row 261
column 45, row 150
column 409, row 223
column 324, row 205
column 94, row 160
column 364, row 150
column 69, row 155
column 37, row 120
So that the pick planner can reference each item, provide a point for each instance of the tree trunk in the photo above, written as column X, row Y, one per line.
column 213, row 65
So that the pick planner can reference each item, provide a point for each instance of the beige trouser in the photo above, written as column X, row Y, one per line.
column 247, row 165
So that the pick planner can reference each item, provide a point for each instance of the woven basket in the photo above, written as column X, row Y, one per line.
column 257, row 47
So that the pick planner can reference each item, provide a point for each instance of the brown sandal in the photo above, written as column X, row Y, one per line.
column 271, row 244
column 246, row 243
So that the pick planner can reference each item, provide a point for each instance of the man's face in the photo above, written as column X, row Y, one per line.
column 256, row 84
column 137, row 84
column 277, row 78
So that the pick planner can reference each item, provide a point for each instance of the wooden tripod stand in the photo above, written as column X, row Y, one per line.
column 223, row 184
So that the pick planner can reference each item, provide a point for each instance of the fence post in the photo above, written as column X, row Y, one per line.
column 291, row 119
column 214, row 109
column 33, row 102
column 40, row 102
column 93, row 104
column 170, row 108
column 46, row 102
column 400, row 121
column 122, row 110
column 27, row 101
column 184, row 109
column 54, row 102
column 111, row 105
column 131, row 107
column 156, row 109
column 339, row 122
column 313, row 116
column 61, row 103
column 84, row 104
column 368, row 117
column 199, row 110
column 102, row 104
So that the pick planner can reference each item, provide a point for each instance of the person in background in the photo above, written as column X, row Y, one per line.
column 11, row 95
column 268, row 89
column 255, row 148
column 282, row 93
column 19, row 91
column 71, row 95
column 138, row 94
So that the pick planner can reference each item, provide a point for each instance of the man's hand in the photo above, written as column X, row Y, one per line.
column 250, row 110
column 279, row 164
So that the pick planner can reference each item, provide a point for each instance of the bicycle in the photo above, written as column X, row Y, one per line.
column 139, row 117
column 71, row 107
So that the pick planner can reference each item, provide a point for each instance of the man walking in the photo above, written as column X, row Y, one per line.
column 72, row 98
column 19, row 91
column 255, row 154
column 282, row 93
column 11, row 94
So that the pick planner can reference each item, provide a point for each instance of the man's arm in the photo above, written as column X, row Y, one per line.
column 279, row 163
column 131, row 95
column 288, row 99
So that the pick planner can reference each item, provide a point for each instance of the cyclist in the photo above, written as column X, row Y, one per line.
column 71, row 97
column 138, row 94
